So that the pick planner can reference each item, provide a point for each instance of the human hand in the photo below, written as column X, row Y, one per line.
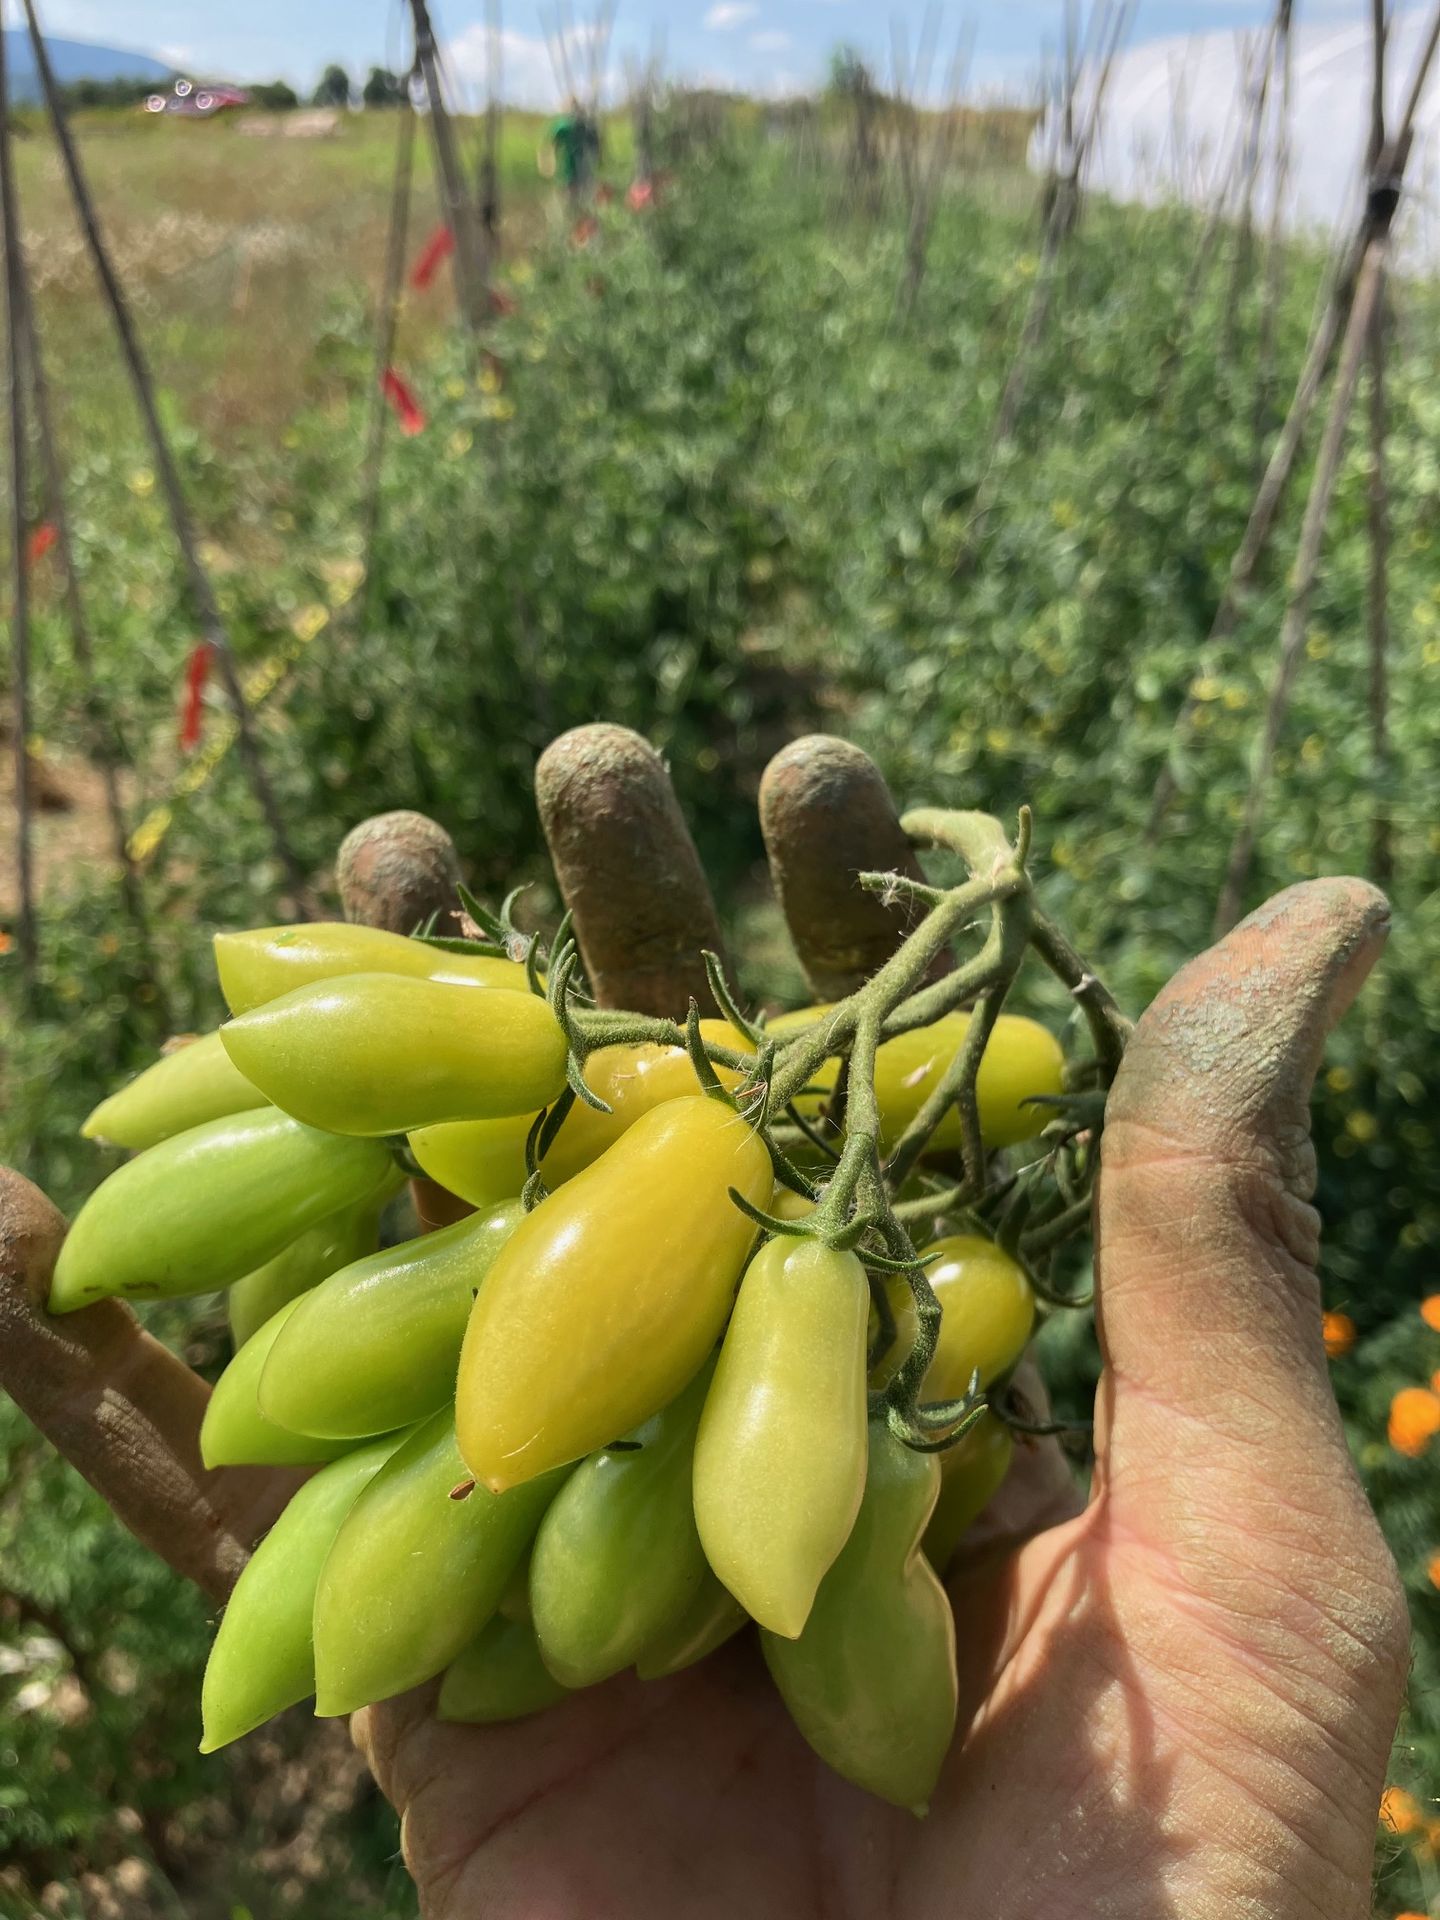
column 1179, row 1701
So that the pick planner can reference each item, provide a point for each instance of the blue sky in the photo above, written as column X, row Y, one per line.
column 766, row 45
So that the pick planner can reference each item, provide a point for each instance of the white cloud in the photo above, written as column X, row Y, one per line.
column 529, row 75
column 771, row 41
column 728, row 14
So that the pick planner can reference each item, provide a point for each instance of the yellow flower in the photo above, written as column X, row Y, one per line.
column 489, row 380
column 1317, row 647
column 1207, row 687
column 1339, row 1080
column 142, row 483
column 1236, row 698
column 997, row 739
column 342, row 579
column 150, row 832
column 309, row 621
column 498, row 409
column 459, row 443
column 1361, row 1126
column 455, row 387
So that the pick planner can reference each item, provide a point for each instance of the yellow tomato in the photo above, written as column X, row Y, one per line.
column 610, row 1294
column 484, row 1160
column 263, row 963
column 1022, row 1060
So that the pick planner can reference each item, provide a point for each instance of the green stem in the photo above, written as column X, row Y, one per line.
column 1109, row 1028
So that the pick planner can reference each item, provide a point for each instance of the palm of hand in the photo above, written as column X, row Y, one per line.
column 1178, row 1702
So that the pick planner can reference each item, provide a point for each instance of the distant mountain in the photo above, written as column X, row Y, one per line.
column 75, row 60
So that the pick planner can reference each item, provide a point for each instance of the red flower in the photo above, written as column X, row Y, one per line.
column 197, row 672
column 584, row 230
column 640, row 196
column 436, row 249
column 404, row 405
column 42, row 539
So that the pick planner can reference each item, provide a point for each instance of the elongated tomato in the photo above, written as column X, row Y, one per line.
column 263, row 963
column 609, row 1296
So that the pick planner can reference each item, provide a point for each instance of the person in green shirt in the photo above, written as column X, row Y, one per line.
column 571, row 150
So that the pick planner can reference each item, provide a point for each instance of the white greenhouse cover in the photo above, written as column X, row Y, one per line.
column 1172, row 117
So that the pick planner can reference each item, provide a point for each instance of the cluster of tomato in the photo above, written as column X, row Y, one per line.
column 592, row 1425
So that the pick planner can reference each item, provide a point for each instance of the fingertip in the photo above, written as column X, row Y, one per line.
column 396, row 870
column 827, row 816
column 627, row 869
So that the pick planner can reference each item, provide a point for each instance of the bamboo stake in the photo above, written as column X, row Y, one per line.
column 202, row 594
column 106, row 742
column 1376, row 221
column 1062, row 201
column 387, row 318
column 490, row 160
column 25, row 931
column 467, row 258
column 1382, row 862
column 1274, row 239
column 1377, row 621
column 1363, row 310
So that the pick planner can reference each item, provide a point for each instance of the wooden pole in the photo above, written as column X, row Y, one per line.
column 1382, row 199
column 202, row 595
column 26, row 941
column 387, row 317
column 467, row 258
column 106, row 741
column 1377, row 612
column 1363, row 310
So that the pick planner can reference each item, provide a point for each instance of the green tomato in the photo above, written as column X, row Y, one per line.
column 415, row 1572
column 194, row 1083
column 317, row 1253
column 499, row 1676
column 871, row 1682
column 609, row 1297
column 263, row 963
column 712, row 1617
column 235, row 1433
column 375, row 1053
column 617, row 1560
column 971, row 1473
column 202, row 1209
column 376, row 1345
column 780, row 1461
column 263, row 1659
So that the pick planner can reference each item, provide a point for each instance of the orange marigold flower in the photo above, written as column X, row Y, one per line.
column 1339, row 1331
column 1400, row 1811
column 1414, row 1419
column 1432, row 1568
column 1430, row 1311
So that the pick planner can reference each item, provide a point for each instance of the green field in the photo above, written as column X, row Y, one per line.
column 713, row 484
